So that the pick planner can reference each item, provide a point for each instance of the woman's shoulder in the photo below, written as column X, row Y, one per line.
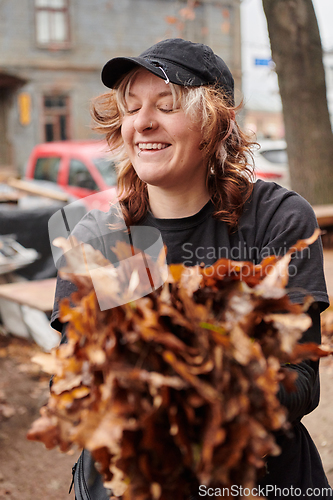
column 264, row 190
column 269, row 198
column 97, row 223
column 278, row 214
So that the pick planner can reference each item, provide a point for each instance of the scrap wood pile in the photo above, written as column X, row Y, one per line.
column 178, row 388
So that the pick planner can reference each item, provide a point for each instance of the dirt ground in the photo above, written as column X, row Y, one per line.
column 28, row 471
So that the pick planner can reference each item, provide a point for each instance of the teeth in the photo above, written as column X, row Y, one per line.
column 152, row 145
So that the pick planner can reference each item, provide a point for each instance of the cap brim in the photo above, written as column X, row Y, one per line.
column 118, row 67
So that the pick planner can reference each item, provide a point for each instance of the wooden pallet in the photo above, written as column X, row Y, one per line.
column 38, row 294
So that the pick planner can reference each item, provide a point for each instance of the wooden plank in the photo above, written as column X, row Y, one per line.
column 324, row 214
column 31, row 188
column 38, row 293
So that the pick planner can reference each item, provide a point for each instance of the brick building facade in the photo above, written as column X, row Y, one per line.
column 52, row 52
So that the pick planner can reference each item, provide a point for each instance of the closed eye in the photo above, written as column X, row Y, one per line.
column 132, row 111
column 169, row 110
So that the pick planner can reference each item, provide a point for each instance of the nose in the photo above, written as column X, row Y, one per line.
column 143, row 120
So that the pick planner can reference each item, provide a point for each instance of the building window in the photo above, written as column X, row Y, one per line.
column 52, row 23
column 56, row 118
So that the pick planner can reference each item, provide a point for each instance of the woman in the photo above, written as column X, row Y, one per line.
column 184, row 170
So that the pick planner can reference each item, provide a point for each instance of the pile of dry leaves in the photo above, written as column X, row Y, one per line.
column 177, row 388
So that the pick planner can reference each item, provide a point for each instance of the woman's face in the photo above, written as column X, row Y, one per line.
column 161, row 141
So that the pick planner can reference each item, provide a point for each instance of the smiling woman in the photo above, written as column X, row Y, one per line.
column 163, row 145
column 192, row 123
column 184, row 170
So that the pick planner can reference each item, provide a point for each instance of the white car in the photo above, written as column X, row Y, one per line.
column 271, row 162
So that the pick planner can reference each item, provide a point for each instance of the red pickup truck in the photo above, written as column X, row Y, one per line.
column 79, row 168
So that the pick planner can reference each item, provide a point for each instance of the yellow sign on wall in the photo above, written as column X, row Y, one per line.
column 24, row 104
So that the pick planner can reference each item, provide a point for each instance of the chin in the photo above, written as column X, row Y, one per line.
column 152, row 180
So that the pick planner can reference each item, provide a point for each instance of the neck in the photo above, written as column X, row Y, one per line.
column 176, row 205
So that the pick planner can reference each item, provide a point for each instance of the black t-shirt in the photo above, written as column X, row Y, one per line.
column 272, row 221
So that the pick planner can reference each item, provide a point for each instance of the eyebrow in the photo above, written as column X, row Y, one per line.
column 166, row 93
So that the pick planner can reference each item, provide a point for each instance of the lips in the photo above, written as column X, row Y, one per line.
column 152, row 145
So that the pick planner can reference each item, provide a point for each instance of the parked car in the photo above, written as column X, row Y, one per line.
column 80, row 168
column 271, row 162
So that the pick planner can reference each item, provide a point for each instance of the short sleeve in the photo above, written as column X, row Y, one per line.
column 101, row 230
column 84, row 231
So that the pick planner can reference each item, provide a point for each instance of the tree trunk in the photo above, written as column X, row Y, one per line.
column 297, row 53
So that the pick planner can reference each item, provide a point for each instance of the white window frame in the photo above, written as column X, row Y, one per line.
column 52, row 27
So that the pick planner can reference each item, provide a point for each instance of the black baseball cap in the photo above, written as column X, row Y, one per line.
column 178, row 61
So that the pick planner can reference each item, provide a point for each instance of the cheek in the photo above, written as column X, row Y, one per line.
column 189, row 136
column 125, row 135
column 126, row 132
column 192, row 144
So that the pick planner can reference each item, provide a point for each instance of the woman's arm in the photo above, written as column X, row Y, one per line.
column 305, row 398
column 289, row 218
